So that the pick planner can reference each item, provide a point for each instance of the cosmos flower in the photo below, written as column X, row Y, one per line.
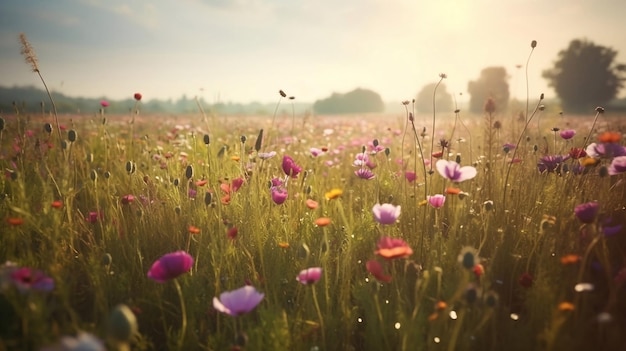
column 26, row 279
column 567, row 134
column 587, row 212
column 170, row 266
column 290, row 167
column 309, row 276
column 376, row 269
column 392, row 248
column 618, row 165
column 237, row 302
column 454, row 172
column 365, row 173
column 386, row 213
column 279, row 194
column 436, row 201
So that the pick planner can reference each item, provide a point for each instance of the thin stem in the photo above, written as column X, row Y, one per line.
column 183, row 310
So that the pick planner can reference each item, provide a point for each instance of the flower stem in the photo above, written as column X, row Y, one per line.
column 183, row 310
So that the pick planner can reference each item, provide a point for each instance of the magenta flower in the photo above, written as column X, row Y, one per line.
column 454, row 172
column 386, row 213
column 238, row 302
column 27, row 279
column 170, row 266
column 279, row 195
column 567, row 134
column 587, row 212
column 365, row 173
column 290, row 167
column 618, row 165
column 309, row 275
column 436, row 201
column 410, row 176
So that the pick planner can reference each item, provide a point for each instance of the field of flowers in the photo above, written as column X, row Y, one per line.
column 402, row 232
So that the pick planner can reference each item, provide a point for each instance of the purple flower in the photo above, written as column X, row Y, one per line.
column 386, row 213
column 567, row 134
column 365, row 173
column 279, row 194
column 618, row 165
column 587, row 212
column 290, row 167
column 238, row 302
column 605, row 150
column 454, row 172
column 436, row 201
column 27, row 279
column 551, row 163
column 170, row 266
column 410, row 176
column 309, row 275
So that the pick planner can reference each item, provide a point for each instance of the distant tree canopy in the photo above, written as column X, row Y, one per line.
column 491, row 83
column 424, row 100
column 585, row 75
column 355, row 101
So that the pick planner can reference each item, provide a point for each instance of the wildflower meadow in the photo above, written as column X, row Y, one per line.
column 398, row 232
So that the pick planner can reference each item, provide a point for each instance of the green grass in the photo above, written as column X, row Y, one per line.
column 275, row 242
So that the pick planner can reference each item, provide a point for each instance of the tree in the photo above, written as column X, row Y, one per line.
column 585, row 75
column 355, row 101
column 424, row 100
column 492, row 83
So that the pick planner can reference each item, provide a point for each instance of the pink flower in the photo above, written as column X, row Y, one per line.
column 454, row 172
column 309, row 275
column 279, row 195
column 376, row 269
column 238, row 302
column 170, row 266
column 391, row 248
column 290, row 167
column 27, row 279
column 436, row 201
column 567, row 134
column 365, row 173
column 410, row 176
column 386, row 213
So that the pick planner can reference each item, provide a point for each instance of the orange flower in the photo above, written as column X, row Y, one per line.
column 312, row 204
column 610, row 137
column 322, row 221
column 333, row 194
column 193, row 230
column 566, row 306
column 57, row 204
column 441, row 305
column 453, row 191
column 15, row 221
column 570, row 259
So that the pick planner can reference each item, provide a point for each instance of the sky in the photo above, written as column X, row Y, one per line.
column 247, row 50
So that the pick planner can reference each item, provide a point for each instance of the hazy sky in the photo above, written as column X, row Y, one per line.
column 245, row 50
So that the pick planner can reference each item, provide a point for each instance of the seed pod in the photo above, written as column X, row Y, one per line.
column 189, row 172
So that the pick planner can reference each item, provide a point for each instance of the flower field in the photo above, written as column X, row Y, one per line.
column 397, row 232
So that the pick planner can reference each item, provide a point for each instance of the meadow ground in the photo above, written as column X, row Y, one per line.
column 320, row 233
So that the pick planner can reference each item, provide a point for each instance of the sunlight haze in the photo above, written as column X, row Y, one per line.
column 246, row 50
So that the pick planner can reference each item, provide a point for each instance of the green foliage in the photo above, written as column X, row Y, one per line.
column 491, row 83
column 424, row 99
column 355, row 101
column 98, row 248
column 585, row 75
